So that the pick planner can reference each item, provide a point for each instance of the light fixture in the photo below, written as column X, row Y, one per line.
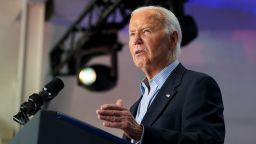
column 96, row 78
column 87, row 76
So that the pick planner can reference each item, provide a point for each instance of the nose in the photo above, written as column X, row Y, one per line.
column 137, row 39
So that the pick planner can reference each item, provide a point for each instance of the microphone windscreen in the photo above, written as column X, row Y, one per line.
column 55, row 86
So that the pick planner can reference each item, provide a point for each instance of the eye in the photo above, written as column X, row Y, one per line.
column 131, row 34
column 146, row 31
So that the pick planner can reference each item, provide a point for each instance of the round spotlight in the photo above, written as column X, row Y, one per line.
column 97, row 78
column 87, row 76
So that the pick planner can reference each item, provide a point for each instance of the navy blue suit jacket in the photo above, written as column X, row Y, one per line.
column 187, row 110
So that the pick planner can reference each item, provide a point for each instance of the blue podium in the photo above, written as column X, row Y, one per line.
column 49, row 127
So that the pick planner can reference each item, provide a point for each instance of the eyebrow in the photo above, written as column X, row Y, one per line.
column 143, row 27
column 146, row 27
column 131, row 31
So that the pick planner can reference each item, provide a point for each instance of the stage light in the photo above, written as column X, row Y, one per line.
column 97, row 78
column 87, row 76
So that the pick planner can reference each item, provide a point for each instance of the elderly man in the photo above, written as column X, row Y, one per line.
column 177, row 106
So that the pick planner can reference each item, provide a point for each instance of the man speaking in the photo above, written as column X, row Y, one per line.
column 177, row 105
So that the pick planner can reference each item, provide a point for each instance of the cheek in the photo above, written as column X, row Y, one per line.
column 151, row 46
column 157, row 48
column 130, row 46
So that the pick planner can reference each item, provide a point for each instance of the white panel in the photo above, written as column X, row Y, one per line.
column 9, row 45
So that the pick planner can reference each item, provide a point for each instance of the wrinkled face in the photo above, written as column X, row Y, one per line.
column 149, row 43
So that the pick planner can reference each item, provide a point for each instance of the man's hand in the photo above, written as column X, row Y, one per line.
column 117, row 116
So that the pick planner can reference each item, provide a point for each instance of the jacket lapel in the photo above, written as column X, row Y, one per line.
column 165, row 95
column 134, row 107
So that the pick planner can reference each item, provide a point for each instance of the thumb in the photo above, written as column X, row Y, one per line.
column 119, row 102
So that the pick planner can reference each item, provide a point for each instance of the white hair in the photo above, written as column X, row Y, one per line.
column 171, row 23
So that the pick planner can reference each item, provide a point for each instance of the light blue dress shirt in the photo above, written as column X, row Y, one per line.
column 149, row 89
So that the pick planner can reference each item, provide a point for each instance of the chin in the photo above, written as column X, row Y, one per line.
column 139, row 62
column 139, row 65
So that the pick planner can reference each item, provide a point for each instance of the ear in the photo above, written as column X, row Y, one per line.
column 173, row 39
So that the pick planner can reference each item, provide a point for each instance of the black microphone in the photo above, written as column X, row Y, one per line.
column 35, row 101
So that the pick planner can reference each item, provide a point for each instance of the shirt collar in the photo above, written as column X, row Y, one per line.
column 159, row 79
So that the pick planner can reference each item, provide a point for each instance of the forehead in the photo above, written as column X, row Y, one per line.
column 150, row 17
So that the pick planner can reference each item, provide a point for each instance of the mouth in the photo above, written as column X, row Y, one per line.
column 139, row 52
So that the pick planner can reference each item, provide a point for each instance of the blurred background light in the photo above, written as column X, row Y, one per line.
column 87, row 76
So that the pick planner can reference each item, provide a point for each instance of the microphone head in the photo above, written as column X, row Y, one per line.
column 54, row 86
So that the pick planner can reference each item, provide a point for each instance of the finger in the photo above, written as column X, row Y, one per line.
column 119, row 102
column 104, row 106
column 98, row 111
column 110, row 118
column 113, row 124
column 112, row 107
column 110, row 113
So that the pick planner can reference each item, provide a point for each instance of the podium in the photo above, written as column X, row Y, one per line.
column 50, row 127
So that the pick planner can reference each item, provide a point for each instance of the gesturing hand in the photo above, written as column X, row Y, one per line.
column 117, row 116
